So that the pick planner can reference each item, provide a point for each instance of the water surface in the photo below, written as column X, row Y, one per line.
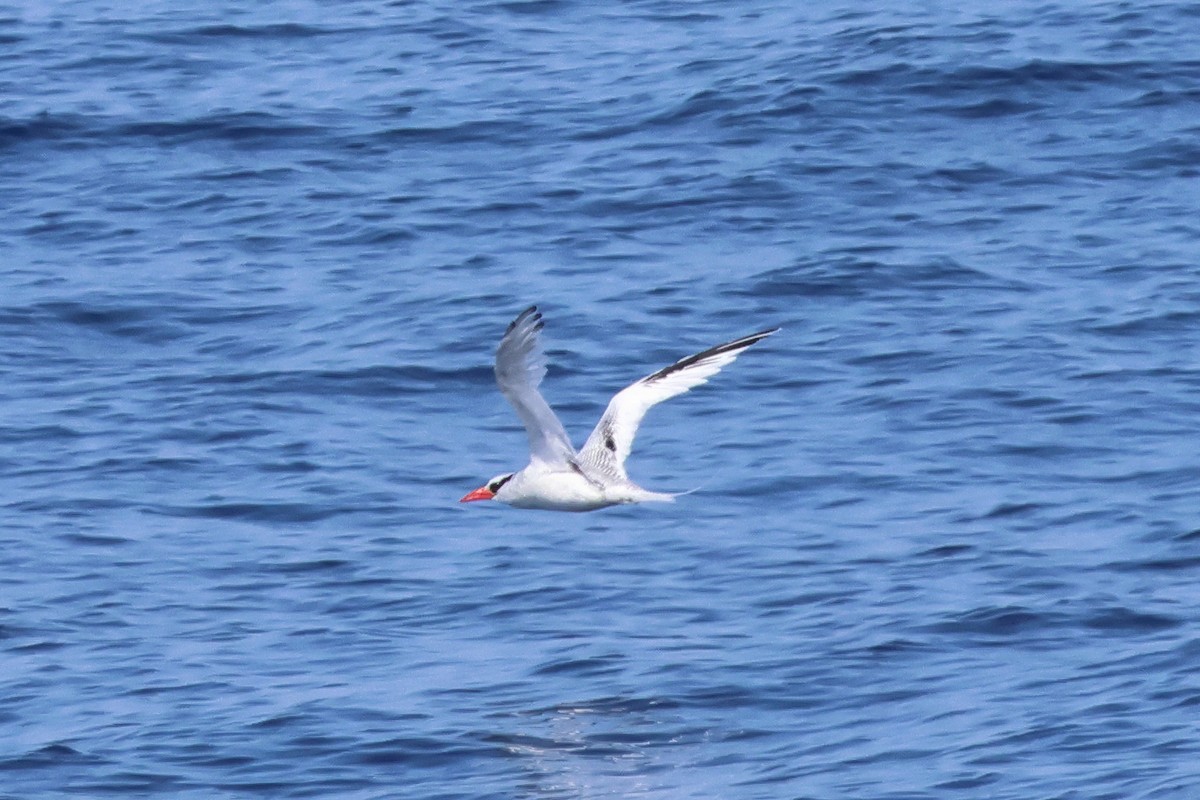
column 255, row 262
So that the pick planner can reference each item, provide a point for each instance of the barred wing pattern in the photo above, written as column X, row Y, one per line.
column 609, row 444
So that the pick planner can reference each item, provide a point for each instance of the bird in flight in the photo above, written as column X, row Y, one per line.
column 559, row 478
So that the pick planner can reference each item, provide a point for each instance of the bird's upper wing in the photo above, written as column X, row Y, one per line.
column 609, row 445
column 520, row 367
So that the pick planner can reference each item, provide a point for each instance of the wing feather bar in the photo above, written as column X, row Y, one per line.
column 611, row 441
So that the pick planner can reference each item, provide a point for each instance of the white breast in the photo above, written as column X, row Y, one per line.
column 553, row 491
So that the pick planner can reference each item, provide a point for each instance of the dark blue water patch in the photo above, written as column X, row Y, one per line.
column 1001, row 622
column 540, row 599
column 323, row 565
column 353, row 234
column 1163, row 98
column 421, row 752
column 786, row 696
column 706, row 103
column 1168, row 323
column 1184, row 562
column 976, row 781
column 95, row 540
column 247, row 130
column 206, row 433
column 1041, row 72
column 156, row 319
column 682, row 199
column 146, row 466
column 373, row 381
column 275, row 32
column 39, row 433
column 75, row 509
column 959, row 179
column 1037, row 78
column 535, row 8
column 592, row 666
column 948, row 551
column 49, row 757
column 489, row 132
column 42, row 646
column 291, row 467
column 63, row 229
column 803, row 599
column 1011, row 509
column 154, row 689
column 855, row 276
column 988, row 109
column 142, row 323
column 44, row 128
column 123, row 782
column 1119, row 619
column 10, row 630
column 271, row 513
column 896, row 648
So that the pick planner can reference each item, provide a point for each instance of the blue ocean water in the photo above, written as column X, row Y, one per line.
column 254, row 262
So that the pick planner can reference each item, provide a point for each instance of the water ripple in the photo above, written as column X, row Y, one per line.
column 256, row 262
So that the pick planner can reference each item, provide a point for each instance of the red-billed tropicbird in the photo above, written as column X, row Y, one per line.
column 557, row 477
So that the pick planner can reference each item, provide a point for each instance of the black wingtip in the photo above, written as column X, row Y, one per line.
column 532, row 311
column 736, row 344
column 756, row 337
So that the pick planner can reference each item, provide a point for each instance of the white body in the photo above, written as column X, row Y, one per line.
column 541, row 487
column 558, row 478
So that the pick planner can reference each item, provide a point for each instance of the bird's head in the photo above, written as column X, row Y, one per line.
column 488, row 490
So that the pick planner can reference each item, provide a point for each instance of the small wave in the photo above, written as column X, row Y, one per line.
column 43, row 128
column 420, row 752
column 280, row 513
column 999, row 622
column 52, row 756
column 244, row 129
column 375, row 381
column 272, row 32
column 1119, row 619
column 592, row 666
column 853, row 276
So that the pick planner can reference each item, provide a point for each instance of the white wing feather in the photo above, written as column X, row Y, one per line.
column 609, row 444
column 520, row 367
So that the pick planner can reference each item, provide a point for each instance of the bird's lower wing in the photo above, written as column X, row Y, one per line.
column 611, row 441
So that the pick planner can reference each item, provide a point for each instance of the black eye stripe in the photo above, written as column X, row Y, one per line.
column 495, row 487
